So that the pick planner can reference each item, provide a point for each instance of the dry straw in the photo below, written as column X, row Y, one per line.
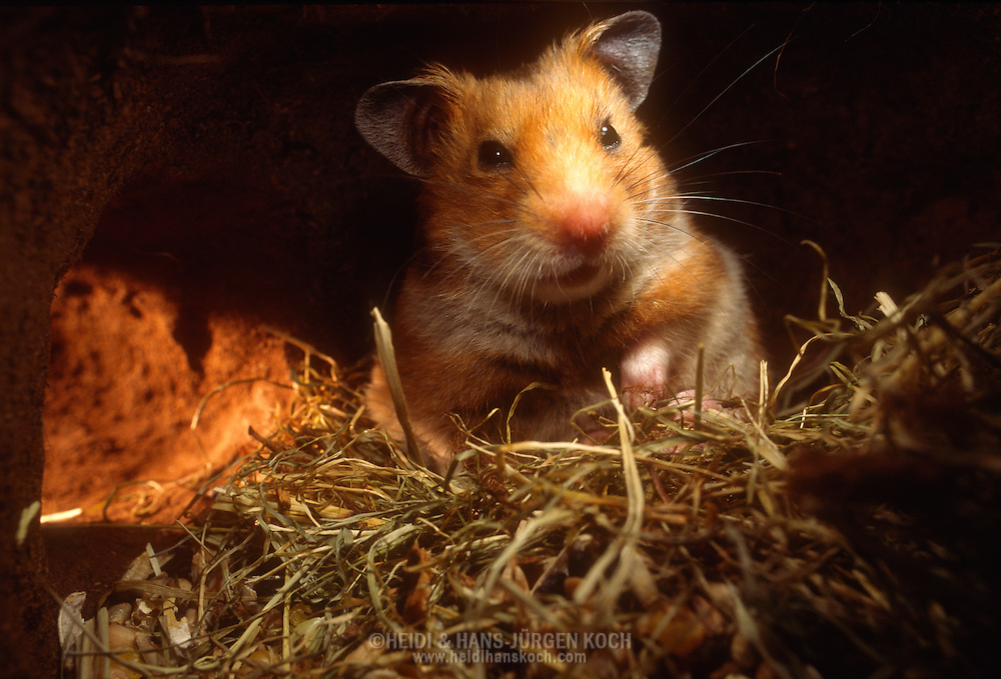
column 791, row 540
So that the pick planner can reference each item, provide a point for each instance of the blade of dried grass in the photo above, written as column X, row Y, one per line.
column 623, row 547
column 549, row 516
column 384, row 348
column 319, row 508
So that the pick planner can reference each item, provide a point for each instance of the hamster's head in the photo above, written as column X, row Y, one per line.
column 538, row 182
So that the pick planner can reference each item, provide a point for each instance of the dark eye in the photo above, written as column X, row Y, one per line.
column 493, row 155
column 608, row 136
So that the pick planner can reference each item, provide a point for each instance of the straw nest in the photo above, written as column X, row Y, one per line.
column 847, row 528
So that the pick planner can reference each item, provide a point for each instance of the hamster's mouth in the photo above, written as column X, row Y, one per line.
column 578, row 283
column 579, row 276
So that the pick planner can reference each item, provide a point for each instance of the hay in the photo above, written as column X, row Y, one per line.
column 846, row 529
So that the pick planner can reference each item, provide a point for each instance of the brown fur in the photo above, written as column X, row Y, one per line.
column 575, row 257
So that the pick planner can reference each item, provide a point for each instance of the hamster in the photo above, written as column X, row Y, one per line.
column 553, row 242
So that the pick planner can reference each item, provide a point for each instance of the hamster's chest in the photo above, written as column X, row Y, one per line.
column 551, row 339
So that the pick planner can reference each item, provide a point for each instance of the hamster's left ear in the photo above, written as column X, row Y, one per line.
column 402, row 121
column 627, row 46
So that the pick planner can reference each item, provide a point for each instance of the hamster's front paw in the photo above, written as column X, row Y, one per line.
column 644, row 372
column 636, row 396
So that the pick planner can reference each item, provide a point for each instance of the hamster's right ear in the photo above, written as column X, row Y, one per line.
column 627, row 46
column 402, row 121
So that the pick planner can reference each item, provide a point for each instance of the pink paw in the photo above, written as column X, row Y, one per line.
column 686, row 401
column 638, row 395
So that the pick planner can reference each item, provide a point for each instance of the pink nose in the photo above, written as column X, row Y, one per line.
column 583, row 223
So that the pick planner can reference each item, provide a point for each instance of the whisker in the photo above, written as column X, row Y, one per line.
column 734, row 220
column 705, row 68
column 688, row 162
column 527, row 180
column 651, row 182
column 741, row 201
column 629, row 162
column 727, row 89
column 673, row 227
column 729, row 173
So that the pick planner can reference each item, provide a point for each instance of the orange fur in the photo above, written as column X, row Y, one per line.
column 575, row 255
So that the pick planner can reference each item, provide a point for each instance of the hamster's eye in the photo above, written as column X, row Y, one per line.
column 609, row 138
column 494, row 155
